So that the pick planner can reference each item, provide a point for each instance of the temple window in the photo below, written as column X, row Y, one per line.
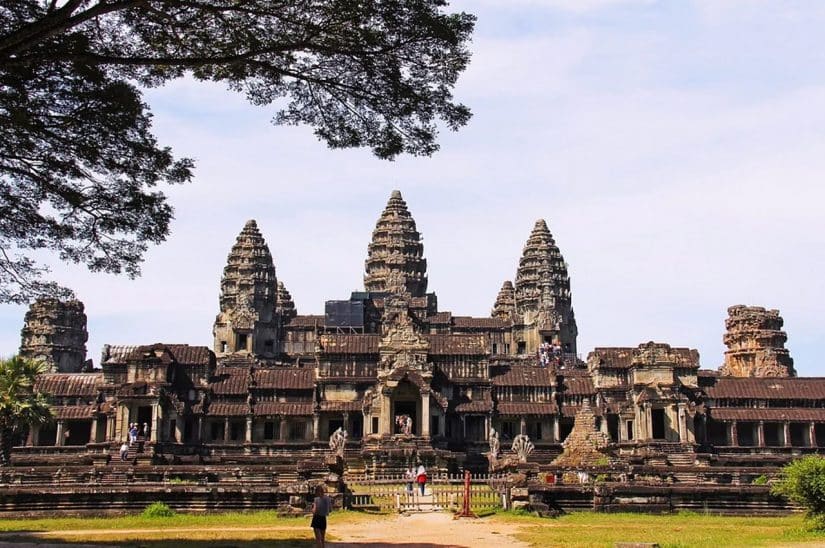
column 240, row 343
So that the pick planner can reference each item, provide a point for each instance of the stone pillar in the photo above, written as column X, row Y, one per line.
column 556, row 430
column 734, row 434
column 200, row 429
column 180, row 429
column 812, row 434
column 523, row 426
column 760, row 434
column 425, row 414
column 486, row 427
column 226, row 430
column 284, row 430
column 93, row 433
column 155, row 424
column 442, row 425
column 59, row 439
column 345, row 419
column 385, row 421
column 786, row 428
column 316, row 426
column 463, row 427
column 111, row 433
column 34, row 433
column 248, row 438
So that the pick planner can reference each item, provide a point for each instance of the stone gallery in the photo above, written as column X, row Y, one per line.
column 402, row 382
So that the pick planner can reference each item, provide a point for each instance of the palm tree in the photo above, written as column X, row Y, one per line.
column 20, row 406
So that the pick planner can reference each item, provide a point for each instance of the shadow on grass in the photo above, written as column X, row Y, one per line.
column 29, row 539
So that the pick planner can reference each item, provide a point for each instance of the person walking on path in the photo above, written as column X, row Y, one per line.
column 421, row 478
column 321, row 507
column 124, row 451
column 409, row 475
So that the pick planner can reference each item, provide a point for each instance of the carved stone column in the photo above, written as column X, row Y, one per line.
column 248, row 429
column 442, row 425
column 316, row 426
column 786, row 430
column 812, row 434
column 760, row 434
column 486, row 427
column 93, row 432
column 155, row 424
column 385, row 421
column 425, row 414
column 346, row 422
column 226, row 429
column 200, row 429
column 734, row 434
column 556, row 430
column 284, row 429
column 59, row 439
column 523, row 426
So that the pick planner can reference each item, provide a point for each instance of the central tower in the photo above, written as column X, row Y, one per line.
column 395, row 257
column 247, row 322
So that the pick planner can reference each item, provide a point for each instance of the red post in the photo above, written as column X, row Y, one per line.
column 465, row 511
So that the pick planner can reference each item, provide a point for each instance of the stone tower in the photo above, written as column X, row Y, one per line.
column 505, row 305
column 395, row 257
column 285, row 306
column 756, row 344
column 247, row 322
column 542, row 292
column 55, row 332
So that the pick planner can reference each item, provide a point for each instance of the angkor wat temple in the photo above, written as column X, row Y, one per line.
column 409, row 382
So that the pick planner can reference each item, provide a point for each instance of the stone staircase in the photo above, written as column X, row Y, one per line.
column 418, row 503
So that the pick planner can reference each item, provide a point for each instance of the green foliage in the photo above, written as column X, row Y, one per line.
column 20, row 406
column 157, row 510
column 603, row 461
column 79, row 163
column 803, row 482
column 760, row 480
column 601, row 478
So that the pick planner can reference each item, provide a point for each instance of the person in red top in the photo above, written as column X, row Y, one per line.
column 421, row 477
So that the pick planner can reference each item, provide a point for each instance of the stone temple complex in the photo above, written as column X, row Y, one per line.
column 411, row 383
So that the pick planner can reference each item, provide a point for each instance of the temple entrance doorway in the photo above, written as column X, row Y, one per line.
column 144, row 417
column 405, row 409
column 657, row 419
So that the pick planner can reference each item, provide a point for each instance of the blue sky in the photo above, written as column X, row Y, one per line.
column 676, row 150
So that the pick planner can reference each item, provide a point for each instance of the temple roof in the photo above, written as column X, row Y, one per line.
column 526, row 408
column 542, row 274
column 395, row 257
column 768, row 414
column 812, row 388
column 625, row 357
column 68, row 384
column 518, row 375
column 235, row 380
column 249, row 280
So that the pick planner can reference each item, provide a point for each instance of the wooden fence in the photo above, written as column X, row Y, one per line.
column 442, row 492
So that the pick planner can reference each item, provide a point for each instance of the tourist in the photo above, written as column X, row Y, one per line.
column 410, row 477
column 321, row 507
column 145, row 430
column 421, row 478
column 124, row 452
column 133, row 433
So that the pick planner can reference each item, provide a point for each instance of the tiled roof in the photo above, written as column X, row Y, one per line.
column 479, row 406
column 768, row 414
column 228, row 409
column 571, row 410
column 526, row 408
column 519, row 375
column 472, row 345
column 286, row 378
column 812, row 388
column 69, row 412
column 578, row 385
column 283, row 408
column 350, row 344
column 190, row 355
column 341, row 406
column 231, row 380
column 117, row 353
column 467, row 322
column 68, row 384
column 306, row 321
column 442, row 318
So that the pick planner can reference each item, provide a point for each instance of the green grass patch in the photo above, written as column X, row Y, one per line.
column 584, row 529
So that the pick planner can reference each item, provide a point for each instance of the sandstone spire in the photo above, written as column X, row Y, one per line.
column 505, row 306
column 395, row 258
column 246, row 322
column 756, row 344
column 285, row 306
column 542, row 290
column 55, row 333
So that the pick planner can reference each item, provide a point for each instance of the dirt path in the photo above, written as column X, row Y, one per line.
column 407, row 531
column 431, row 529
